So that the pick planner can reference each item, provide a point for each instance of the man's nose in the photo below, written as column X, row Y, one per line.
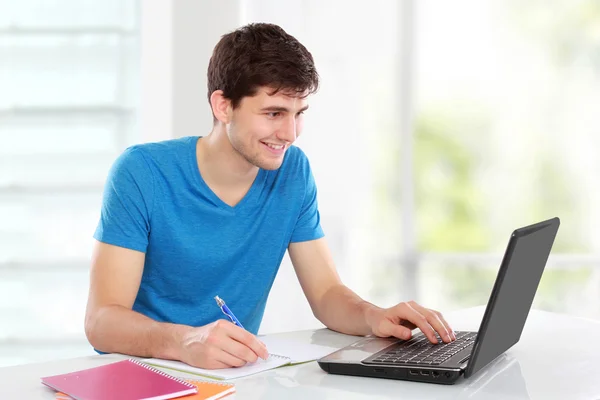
column 288, row 131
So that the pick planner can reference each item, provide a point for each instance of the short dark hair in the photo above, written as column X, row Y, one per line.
column 256, row 55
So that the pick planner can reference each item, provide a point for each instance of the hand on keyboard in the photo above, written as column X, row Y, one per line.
column 399, row 321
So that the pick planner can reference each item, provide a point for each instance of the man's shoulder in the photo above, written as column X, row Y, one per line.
column 295, row 158
column 161, row 149
column 294, row 171
column 144, row 158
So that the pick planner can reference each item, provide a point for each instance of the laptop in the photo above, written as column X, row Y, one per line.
column 417, row 359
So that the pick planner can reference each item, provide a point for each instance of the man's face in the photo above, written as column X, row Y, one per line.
column 263, row 127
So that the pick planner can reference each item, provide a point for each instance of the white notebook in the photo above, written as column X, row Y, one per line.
column 297, row 352
column 281, row 352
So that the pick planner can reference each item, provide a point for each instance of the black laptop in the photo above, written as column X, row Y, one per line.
column 420, row 360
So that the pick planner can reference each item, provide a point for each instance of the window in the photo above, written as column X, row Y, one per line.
column 67, row 109
column 438, row 130
column 506, row 110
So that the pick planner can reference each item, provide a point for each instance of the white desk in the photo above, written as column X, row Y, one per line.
column 545, row 364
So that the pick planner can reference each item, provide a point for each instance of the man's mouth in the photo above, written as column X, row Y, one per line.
column 274, row 146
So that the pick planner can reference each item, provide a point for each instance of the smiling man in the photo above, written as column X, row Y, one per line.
column 185, row 220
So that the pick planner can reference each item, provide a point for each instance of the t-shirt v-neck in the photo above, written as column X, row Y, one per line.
column 247, row 202
column 197, row 247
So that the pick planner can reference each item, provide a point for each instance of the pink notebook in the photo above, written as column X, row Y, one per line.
column 123, row 380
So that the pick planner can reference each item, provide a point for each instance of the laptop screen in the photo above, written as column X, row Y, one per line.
column 513, row 293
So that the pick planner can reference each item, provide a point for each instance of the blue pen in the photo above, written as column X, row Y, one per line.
column 227, row 311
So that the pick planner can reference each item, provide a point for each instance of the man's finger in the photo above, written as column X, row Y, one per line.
column 239, row 350
column 420, row 321
column 388, row 328
column 435, row 321
column 229, row 360
column 218, row 365
column 212, row 364
column 248, row 339
column 448, row 327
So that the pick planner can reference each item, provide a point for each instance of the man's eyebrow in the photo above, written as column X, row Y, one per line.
column 281, row 109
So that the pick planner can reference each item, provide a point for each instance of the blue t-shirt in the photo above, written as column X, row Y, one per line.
column 197, row 246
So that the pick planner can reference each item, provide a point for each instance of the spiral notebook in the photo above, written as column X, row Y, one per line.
column 206, row 391
column 273, row 361
column 282, row 352
column 122, row 380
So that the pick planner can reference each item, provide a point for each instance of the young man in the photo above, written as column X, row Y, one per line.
column 188, row 219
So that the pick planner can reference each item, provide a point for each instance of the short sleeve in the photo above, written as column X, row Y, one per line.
column 308, row 226
column 127, row 202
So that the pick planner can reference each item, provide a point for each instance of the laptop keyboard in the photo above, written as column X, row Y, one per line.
column 419, row 350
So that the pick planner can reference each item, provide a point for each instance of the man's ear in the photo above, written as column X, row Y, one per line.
column 221, row 106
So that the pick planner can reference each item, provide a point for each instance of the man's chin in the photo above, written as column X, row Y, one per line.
column 270, row 166
column 265, row 162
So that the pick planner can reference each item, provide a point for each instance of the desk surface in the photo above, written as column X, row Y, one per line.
column 545, row 364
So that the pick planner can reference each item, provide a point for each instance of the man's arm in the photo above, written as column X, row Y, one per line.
column 332, row 303
column 112, row 326
column 110, row 323
column 342, row 310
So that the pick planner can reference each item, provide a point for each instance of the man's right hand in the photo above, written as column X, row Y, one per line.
column 221, row 344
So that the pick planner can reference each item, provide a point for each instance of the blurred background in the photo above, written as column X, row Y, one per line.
column 439, row 128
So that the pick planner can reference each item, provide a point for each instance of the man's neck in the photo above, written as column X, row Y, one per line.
column 221, row 166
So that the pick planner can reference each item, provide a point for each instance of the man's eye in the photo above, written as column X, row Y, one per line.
column 274, row 114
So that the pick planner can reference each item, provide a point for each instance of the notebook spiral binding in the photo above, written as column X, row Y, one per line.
column 200, row 381
column 276, row 355
column 141, row 364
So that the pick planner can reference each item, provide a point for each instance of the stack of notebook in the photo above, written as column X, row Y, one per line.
column 129, row 380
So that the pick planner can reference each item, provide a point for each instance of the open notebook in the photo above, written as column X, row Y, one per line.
column 281, row 352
